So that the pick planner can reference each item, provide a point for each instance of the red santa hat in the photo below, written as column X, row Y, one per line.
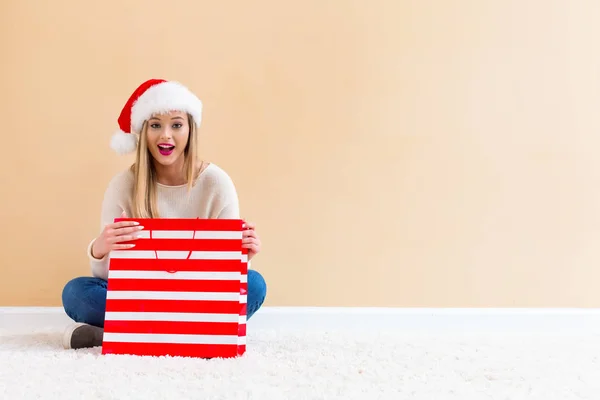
column 153, row 96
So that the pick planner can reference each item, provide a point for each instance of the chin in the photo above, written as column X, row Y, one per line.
column 166, row 160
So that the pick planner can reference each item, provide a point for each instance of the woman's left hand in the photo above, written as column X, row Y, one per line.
column 250, row 239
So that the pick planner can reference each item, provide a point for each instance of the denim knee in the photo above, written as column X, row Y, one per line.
column 84, row 300
column 257, row 292
column 71, row 293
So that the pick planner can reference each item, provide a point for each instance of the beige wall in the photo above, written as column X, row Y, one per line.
column 401, row 153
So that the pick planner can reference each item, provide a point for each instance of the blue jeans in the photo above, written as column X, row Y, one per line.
column 84, row 298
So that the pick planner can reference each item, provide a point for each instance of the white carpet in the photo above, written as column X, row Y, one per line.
column 288, row 364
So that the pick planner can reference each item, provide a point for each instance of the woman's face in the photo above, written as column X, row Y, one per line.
column 167, row 135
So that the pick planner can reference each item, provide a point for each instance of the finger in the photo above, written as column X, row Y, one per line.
column 249, row 225
column 127, row 230
column 249, row 233
column 122, row 246
column 122, row 224
column 123, row 238
column 251, row 240
column 111, row 233
column 119, row 234
column 252, row 247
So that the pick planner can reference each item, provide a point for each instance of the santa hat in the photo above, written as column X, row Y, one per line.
column 152, row 96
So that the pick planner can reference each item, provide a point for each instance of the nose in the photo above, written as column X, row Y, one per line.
column 166, row 133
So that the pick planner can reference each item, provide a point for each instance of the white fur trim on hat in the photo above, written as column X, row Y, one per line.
column 123, row 143
column 162, row 98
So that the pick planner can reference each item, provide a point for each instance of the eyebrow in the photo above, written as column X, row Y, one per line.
column 178, row 117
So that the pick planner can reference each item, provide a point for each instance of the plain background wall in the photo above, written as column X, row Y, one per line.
column 392, row 153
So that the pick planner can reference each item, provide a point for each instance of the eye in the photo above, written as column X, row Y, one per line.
column 155, row 126
column 177, row 126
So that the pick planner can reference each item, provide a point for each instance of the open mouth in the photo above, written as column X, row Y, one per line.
column 165, row 149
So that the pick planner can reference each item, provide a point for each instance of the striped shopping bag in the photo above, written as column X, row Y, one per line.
column 181, row 291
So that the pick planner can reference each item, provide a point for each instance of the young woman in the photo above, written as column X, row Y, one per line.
column 160, row 123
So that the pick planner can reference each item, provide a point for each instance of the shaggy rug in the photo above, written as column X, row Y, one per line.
column 326, row 364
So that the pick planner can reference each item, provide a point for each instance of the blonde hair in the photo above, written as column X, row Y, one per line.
column 144, row 202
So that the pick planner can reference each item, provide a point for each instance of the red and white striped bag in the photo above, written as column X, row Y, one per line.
column 181, row 291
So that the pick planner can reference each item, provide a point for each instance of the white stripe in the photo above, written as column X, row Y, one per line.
column 216, row 255
column 242, row 319
column 149, row 295
column 190, row 234
column 170, row 316
column 146, row 254
column 244, row 278
column 183, row 275
column 243, row 299
column 218, row 235
column 172, row 234
column 173, row 338
column 178, row 255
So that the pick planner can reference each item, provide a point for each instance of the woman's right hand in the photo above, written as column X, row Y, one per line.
column 112, row 235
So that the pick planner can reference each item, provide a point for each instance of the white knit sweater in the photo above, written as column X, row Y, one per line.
column 213, row 196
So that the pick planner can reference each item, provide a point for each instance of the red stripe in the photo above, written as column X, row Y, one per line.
column 183, row 306
column 175, row 349
column 176, row 224
column 174, row 285
column 187, row 244
column 136, row 264
column 173, row 327
column 241, row 330
column 243, row 308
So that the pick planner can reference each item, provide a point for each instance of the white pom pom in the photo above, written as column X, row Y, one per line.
column 123, row 143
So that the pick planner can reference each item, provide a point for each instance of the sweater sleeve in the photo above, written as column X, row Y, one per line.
column 228, row 205
column 113, row 205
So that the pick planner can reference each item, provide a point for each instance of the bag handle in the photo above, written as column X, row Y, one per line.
column 188, row 256
column 156, row 254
